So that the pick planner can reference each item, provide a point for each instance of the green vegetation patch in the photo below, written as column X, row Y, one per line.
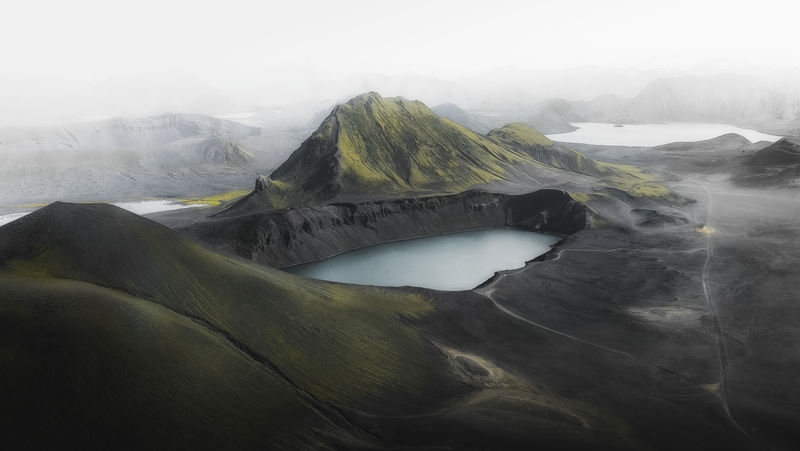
column 217, row 199
column 393, row 147
column 350, row 345
column 77, row 347
column 637, row 183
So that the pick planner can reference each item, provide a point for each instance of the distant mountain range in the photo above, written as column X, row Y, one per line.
column 114, row 159
column 748, row 102
column 134, row 316
column 122, row 133
column 131, row 157
column 549, row 116
column 738, row 100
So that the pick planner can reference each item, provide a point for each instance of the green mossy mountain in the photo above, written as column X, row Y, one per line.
column 389, row 145
column 373, row 147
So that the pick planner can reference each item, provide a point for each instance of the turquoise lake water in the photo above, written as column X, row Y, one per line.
column 459, row 261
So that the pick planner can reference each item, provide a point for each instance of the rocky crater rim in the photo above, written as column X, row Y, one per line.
column 284, row 238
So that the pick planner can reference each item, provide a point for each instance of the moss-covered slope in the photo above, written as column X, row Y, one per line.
column 323, row 336
column 118, row 332
column 631, row 180
column 86, row 367
column 375, row 147
column 390, row 145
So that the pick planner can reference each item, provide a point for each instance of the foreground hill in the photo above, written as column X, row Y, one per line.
column 118, row 332
column 392, row 147
column 242, row 355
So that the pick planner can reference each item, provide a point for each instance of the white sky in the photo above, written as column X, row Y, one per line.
column 221, row 40
column 241, row 43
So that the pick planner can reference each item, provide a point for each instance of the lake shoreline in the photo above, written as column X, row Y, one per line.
column 451, row 262
column 652, row 134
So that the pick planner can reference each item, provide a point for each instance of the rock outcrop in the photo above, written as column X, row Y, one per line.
column 289, row 237
column 262, row 183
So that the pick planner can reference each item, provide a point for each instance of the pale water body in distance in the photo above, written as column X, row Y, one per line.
column 142, row 207
column 648, row 135
column 458, row 261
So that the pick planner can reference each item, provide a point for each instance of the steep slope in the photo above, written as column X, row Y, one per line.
column 393, row 146
column 528, row 141
column 375, row 147
column 318, row 337
column 113, row 248
column 86, row 366
column 117, row 332
column 124, row 331
column 281, row 238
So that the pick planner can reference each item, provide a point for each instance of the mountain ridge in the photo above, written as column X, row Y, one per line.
column 388, row 145
column 391, row 147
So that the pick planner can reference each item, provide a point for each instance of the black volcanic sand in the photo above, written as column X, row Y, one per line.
column 618, row 317
column 645, row 294
column 669, row 327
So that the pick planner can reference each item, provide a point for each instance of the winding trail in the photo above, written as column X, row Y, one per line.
column 718, row 334
column 489, row 289
column 489, row 292
column 712, row 306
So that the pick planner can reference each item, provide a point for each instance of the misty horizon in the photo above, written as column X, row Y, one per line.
column 88, row 60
